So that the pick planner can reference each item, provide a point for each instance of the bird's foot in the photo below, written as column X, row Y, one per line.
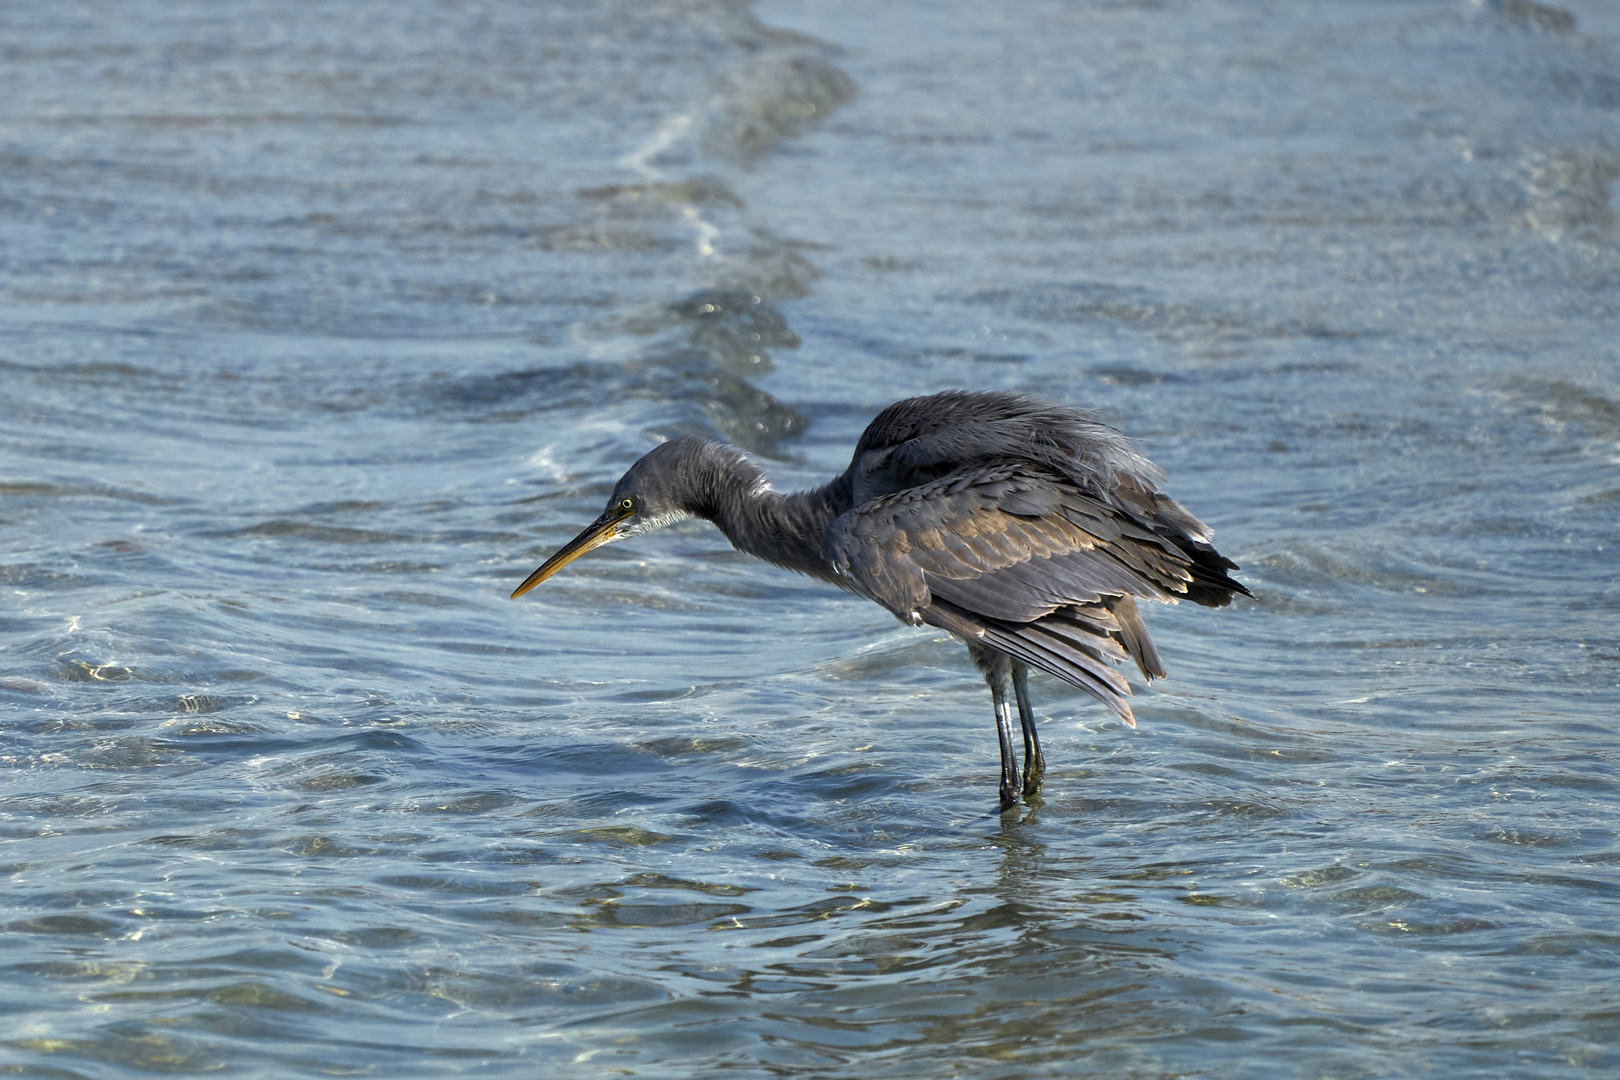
column 1009, row 796
column 1033, row 775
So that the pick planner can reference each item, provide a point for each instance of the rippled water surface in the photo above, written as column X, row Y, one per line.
column 321, row 324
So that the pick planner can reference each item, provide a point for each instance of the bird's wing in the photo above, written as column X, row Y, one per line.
column 916, row 442
column 1006, row 542
column 1021, row 561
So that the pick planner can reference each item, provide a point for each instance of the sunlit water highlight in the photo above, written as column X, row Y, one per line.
column 324, row 323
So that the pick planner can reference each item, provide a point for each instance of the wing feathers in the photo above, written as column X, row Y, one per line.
column 1134, row 636
column 1024, row 526
column 1071, row 659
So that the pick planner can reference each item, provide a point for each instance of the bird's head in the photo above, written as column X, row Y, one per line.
column 670, row 483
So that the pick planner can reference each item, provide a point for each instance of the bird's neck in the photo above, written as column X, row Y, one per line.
column 785, row 530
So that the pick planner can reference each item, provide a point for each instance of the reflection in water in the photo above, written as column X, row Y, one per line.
column 1042, row 967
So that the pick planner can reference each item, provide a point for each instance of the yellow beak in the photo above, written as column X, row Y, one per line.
column 596, row 534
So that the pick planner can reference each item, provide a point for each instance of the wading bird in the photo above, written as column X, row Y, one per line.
column 1024, row 527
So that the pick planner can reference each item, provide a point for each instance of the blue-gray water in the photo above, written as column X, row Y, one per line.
column 321, row 324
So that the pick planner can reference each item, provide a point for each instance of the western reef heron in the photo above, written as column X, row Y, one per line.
column 1025, row 527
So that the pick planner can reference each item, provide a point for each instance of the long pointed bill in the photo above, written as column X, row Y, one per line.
column 596, row 534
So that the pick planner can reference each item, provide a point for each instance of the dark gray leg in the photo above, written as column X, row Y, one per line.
column 1034, row 760
column 997, row 668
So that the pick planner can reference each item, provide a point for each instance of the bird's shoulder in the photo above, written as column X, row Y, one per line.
column 919, row 440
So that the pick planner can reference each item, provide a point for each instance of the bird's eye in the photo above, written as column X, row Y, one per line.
column 627, row 505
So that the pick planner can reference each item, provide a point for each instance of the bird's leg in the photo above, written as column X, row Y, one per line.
column 1009, row 753
column 1034, row 760
column 997, row 666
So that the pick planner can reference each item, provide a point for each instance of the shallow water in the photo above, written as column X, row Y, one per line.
column 324, row 324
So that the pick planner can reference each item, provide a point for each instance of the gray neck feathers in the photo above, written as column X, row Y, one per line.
column 785, row 530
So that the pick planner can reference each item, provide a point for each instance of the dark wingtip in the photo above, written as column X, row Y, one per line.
column 1211, row 585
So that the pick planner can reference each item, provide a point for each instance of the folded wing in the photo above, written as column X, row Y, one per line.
column 1042, row 565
